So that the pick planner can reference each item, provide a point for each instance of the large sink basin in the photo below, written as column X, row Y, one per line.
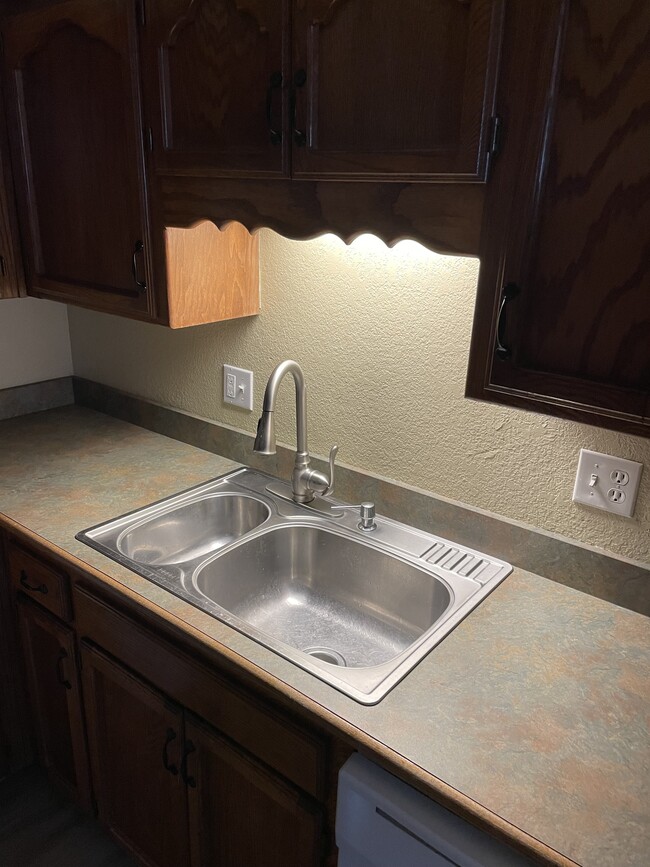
column 332, row 597
column 357, row 609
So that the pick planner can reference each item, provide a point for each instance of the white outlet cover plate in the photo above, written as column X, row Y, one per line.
column 604, row 468
column 243, row 386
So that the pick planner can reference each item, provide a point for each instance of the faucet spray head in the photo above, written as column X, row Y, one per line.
column 265, row 437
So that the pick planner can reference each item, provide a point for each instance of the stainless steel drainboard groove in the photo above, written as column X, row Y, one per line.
column 462, row 562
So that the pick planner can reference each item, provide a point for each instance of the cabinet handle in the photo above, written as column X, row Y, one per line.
column 60, row 674
column 299, row 80
column 510, row 291
column 34, row 588
column 171, row 735
column 189, row 781
column 274, row 84
column 139, row 248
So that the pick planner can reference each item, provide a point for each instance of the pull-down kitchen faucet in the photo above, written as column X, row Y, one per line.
column 305, row 482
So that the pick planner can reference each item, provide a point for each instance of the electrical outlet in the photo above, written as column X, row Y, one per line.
column 238, row 386
column 607, row 482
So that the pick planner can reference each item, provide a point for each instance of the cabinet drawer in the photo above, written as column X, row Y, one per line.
column 264, row 730
column 37, row 579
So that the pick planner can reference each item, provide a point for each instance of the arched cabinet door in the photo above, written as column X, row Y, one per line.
column 216, row 76
column 73, row 107
column 401, row 91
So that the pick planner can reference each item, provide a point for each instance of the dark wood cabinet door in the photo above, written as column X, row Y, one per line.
column 574, row 334
column 12, row 281
column 76, row 135
column 135, row 740
column 216, row 87
column 54, row 689
column 394, row 90
column 241, row 812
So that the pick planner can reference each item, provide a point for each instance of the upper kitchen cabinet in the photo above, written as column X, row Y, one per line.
column 90, row 226
column 350, row 89
column 401, row 92
column 341, row 116
column 216, row 75
column 12, row 281
column 563, row 313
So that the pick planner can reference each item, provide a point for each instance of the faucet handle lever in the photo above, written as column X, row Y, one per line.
column 330, row 486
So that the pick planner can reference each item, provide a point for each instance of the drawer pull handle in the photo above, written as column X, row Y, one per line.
column 171, row 735
column 141, row 284
column 34, row 588
column 503, row 351
column 60, row 674
column 189, row 781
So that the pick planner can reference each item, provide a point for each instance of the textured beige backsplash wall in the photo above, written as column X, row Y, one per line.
column 383, row 337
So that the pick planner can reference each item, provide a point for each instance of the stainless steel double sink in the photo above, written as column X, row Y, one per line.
column 358, row 609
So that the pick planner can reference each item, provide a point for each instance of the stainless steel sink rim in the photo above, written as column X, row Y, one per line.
column 368, row 684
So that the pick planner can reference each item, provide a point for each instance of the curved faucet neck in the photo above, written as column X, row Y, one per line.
column 270, row 395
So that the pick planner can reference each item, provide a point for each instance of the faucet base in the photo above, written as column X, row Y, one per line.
column 317, row 504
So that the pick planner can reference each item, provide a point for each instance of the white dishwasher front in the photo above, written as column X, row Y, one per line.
column 383, row 822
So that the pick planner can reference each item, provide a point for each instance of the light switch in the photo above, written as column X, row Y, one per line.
column 238, row 386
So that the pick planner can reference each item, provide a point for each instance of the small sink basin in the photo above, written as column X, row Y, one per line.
column 193, row 530
column 329, row 596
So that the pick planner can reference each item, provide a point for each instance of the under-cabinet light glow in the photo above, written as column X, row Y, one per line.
column 372, row 247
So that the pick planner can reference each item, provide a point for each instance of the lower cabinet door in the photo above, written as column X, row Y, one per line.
column 136, row 744
column 241, row 813
column 55, row 694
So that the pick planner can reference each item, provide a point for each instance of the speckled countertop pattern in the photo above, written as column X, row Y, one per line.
column 537, row 707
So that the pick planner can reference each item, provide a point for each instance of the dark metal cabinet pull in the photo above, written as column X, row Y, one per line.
column 60, row 674
column 171, row 735
column 275, row 83
column 189, row 781
column 510, row 291
column 299, row 80
column 34, row 588
column 139, row 248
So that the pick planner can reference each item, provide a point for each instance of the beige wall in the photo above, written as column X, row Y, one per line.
column 34, row 341
column 383, row 337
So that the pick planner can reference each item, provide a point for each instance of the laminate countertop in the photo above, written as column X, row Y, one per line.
column 532, row 715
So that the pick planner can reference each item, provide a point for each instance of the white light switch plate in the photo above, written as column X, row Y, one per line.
column 607, row 482
column 238, row 386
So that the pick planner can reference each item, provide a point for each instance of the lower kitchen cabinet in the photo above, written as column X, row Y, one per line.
column 53, row 682
column 135, row 741
column 176, row 792
column 240, row 812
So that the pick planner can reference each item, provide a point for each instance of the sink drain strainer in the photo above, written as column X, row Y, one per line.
column 326, row 654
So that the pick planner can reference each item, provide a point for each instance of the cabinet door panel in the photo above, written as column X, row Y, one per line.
column 135, row 740
column 76, row 139
column 396, row 91
column 216, row 85
column 575, row 340
column 55, row 694
column 587, row 287
column 243, row 813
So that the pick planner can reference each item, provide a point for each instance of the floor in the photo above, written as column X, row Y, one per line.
column 39, row 827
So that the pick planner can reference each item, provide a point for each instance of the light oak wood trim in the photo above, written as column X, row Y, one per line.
column 212, row 274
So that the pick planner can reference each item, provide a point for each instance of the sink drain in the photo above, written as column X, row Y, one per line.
column 326, row 654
